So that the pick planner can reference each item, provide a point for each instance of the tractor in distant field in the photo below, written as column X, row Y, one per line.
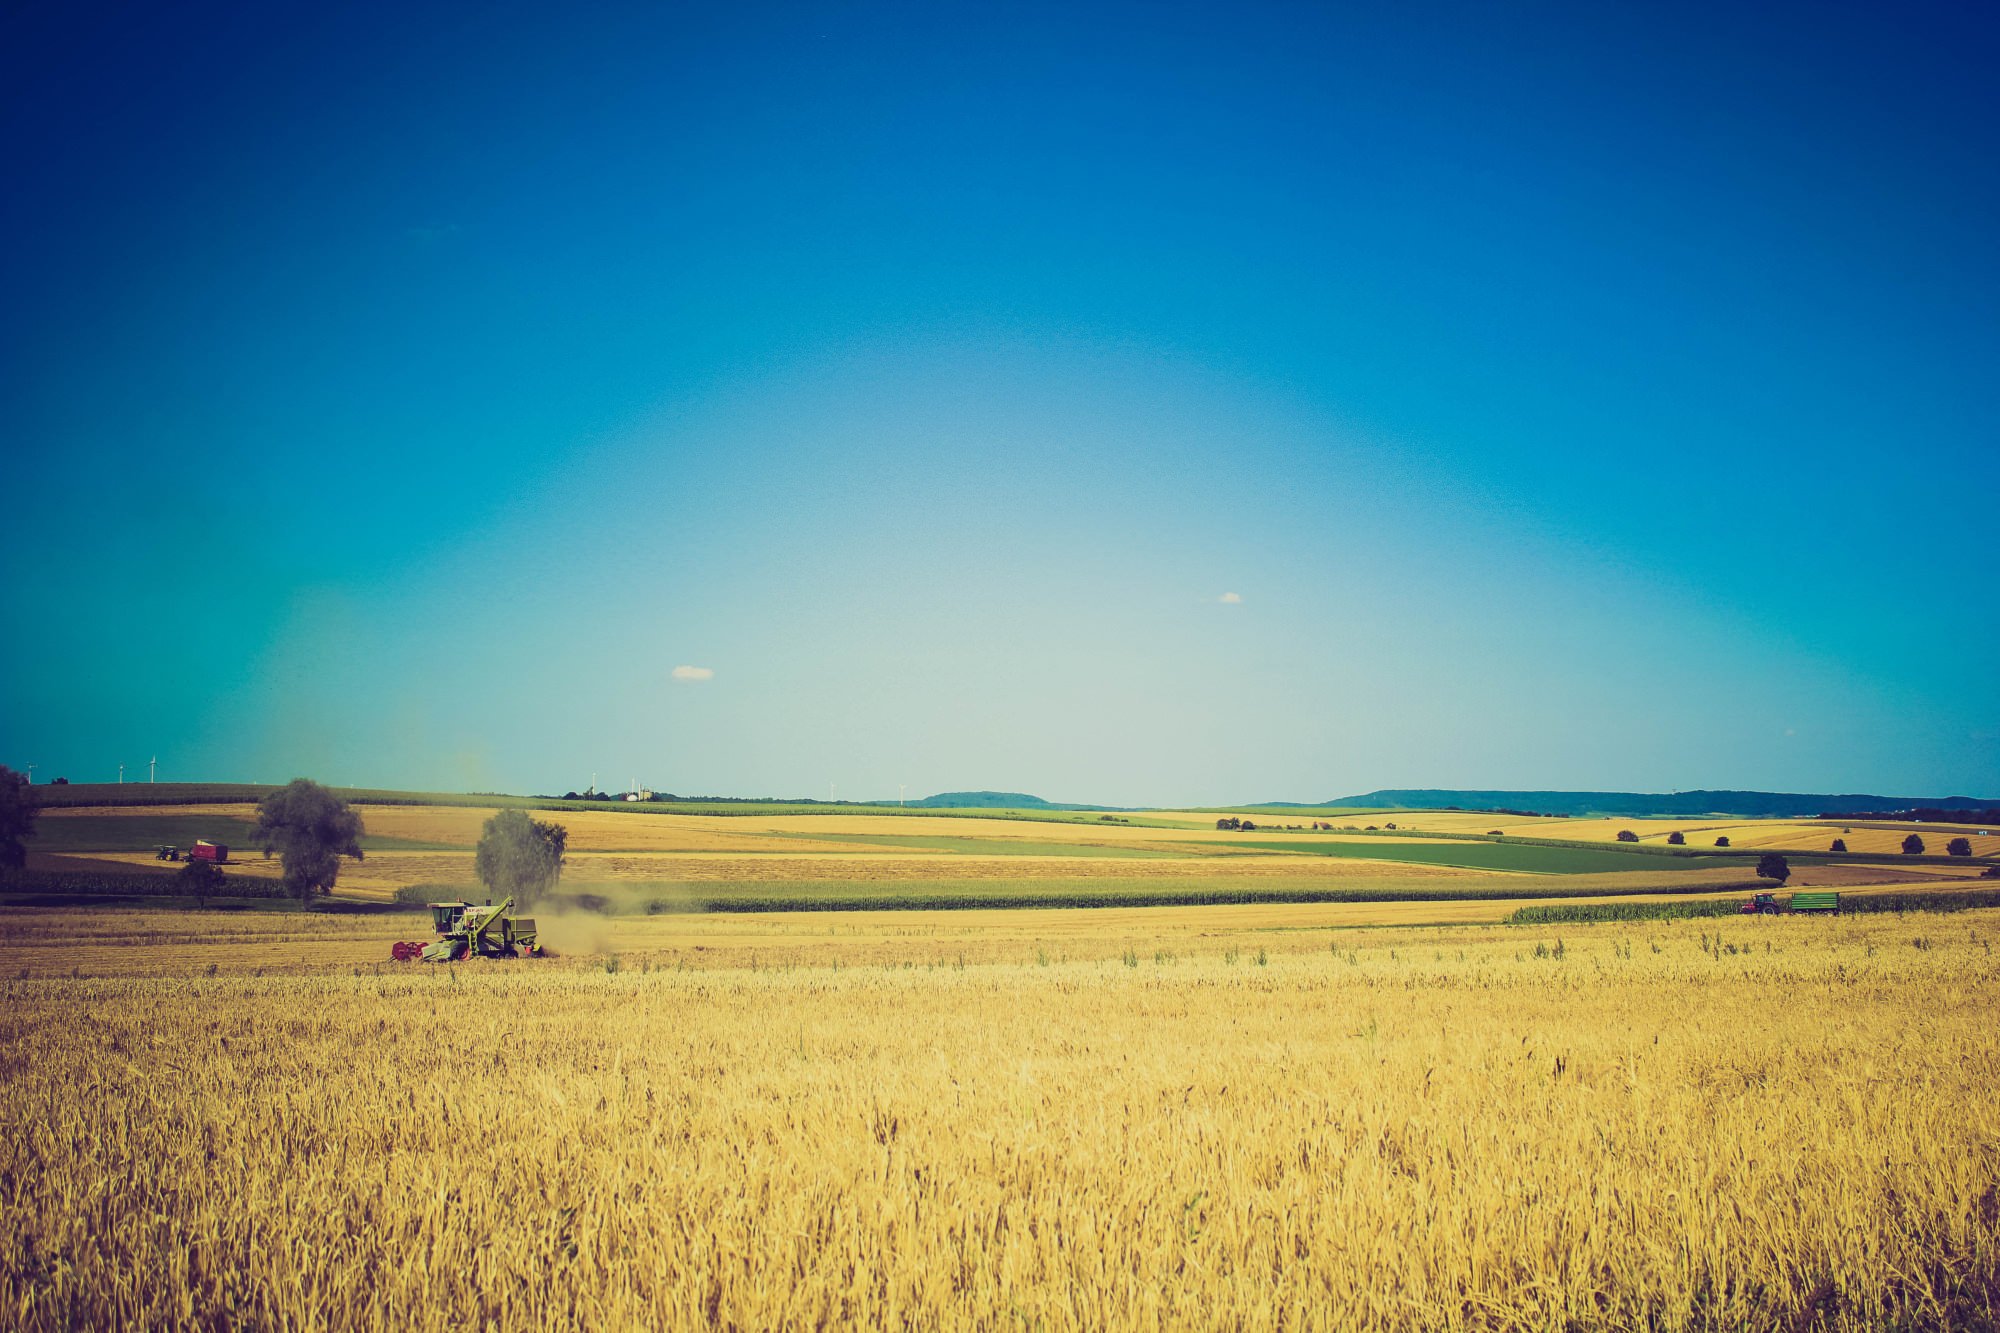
column 1764, row 904
column 214, row 853
column 466, row 930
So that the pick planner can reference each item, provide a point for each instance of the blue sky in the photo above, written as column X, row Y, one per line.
column 1571, row 396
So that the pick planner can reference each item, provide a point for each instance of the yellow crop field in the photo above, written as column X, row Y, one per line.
column 1158, row 1119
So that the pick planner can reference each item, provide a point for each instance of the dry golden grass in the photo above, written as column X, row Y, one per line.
column 1752, row 1123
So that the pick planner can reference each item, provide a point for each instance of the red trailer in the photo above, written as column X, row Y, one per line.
column 213, row 852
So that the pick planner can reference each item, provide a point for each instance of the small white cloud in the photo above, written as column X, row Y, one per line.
column 692, row 673
column 1231, row 599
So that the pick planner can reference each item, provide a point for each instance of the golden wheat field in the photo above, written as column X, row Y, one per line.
column 1209, row 1117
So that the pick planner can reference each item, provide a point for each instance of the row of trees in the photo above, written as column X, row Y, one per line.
column 1914, row 846
column 1923, row 814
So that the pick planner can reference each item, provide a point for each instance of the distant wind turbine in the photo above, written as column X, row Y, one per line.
column 153, row 769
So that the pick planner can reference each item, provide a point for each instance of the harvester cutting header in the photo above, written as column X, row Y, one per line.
column 466, row 930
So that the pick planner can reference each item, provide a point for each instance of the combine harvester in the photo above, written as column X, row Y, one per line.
column 466, row 931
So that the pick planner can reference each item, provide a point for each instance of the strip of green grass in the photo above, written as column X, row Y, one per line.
column 1569, row 913
column 866, row 895
column 61, row 884
column 142, row 833
column 1522, row 857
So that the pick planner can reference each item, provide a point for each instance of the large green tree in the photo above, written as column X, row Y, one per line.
column 17, row 818
column 310, row 829
column 519, row 857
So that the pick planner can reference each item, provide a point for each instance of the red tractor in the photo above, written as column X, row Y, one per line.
column 1764, row 904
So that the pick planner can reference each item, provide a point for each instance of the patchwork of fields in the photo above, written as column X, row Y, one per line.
column 779, row 858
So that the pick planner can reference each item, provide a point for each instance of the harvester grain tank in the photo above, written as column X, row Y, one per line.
column 467, row 930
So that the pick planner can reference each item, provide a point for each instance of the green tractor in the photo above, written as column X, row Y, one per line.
column 466, row 930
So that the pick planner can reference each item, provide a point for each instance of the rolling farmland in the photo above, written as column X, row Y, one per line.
column 1264, row 1077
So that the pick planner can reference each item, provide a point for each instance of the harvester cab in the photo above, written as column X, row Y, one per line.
column 468, row 930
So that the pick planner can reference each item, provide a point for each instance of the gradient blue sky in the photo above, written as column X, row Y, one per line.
column 1579, row 396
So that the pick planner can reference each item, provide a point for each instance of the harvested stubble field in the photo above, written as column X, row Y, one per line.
column 1165, row 1119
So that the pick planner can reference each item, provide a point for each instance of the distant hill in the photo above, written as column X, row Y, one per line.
column 996, row 800
column 1744, row 804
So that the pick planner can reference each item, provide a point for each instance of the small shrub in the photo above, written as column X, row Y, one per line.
column 1677, row 839
column 1627, row 835
column 1839, row 845
column 1958, row 847
column 1722, row 841
column 1913, row 846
